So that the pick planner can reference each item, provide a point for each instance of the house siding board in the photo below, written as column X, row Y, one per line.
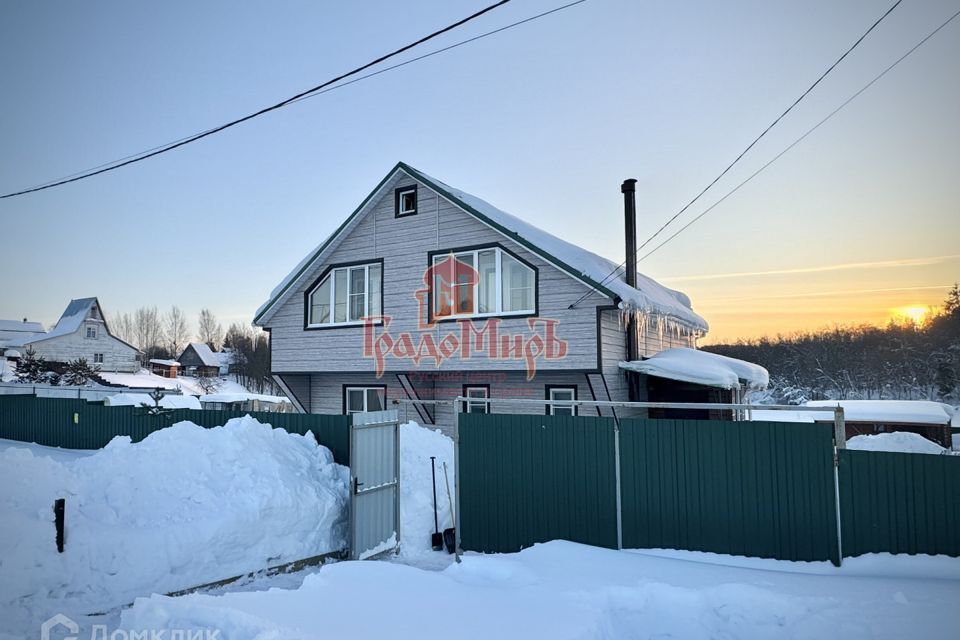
column 117, row 355
column 403, row 244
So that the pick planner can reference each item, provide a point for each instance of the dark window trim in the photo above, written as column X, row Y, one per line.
column 396, row 201
column 316, row 283
column 360, row 385
column 476, row 385
column 569, row 387
column 505, row 316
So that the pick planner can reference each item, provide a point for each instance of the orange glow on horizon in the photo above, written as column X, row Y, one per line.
column 915, row 313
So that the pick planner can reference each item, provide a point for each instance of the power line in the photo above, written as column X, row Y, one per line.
column 232, row 123
column 751, row 145
column 339, row 86
column 801, row 138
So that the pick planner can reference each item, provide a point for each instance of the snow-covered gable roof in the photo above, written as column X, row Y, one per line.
column 71, row 319
column 20, row 325
column 206, row 354
column 701, row 367
column 649, row 298
column 165, row 363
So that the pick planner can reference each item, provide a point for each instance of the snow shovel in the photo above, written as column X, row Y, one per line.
column 436, row 538
column 450, row 535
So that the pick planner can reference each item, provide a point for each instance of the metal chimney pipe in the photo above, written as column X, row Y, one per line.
column 628, row 189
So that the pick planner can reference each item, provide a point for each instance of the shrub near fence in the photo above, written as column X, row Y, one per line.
column 79, row 424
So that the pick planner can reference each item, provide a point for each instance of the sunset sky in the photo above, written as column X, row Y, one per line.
column 859, row 220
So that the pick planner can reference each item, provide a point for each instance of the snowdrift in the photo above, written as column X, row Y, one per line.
column 185, row 506
column 417, row 444
column 898, row 442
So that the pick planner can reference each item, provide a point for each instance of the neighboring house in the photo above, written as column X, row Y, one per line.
column 13, row 334
column 225, row 358
column 165, row 368
column 246, row 402
column 82, row 332
column 427, row 292
column 198, row 359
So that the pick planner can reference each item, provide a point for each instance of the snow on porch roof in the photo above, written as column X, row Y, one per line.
column 701, row 367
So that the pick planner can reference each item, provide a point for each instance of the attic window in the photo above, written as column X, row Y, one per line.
column 91, row 332
column 405, row 201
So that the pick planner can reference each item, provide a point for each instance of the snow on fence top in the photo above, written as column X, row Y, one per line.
column 672, row 309
column 241, row 397
column 890, row 411
column 140, row 399
column 701, row 367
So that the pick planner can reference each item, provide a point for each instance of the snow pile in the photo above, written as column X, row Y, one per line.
column 898, row 441
column 701, row 367
column 184, row 507
column 417, row 444
column 890, row 411
column 141, row 399
column 561, row 590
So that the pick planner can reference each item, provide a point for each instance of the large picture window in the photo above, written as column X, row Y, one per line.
column 346, row 295
column 481, row 282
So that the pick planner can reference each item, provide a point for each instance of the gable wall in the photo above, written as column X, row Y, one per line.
column 117, row 356
column 404, row 244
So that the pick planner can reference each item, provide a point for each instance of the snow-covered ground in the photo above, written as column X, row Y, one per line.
column 565, row 590
column 898, row 441
column 186, row 506
column 147, row 380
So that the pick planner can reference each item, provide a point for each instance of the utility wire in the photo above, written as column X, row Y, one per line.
column 232, row 123
column 749, row 146
column 341, row 85
column 801, row 138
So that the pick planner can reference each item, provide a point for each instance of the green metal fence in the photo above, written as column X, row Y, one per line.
column 899, row 502
column 765, row 489
column 761, row 489
column 79, row 424
column 528, row 478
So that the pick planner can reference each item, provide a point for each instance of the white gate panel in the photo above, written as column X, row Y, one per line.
column 375, row 484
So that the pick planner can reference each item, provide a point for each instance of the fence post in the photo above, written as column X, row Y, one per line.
column 616, row 472
column 840, row 442
column 456, row 478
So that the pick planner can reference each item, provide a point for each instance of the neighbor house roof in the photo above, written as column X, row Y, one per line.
column 21, row 325
column 205, row 353
column 597, row 272
column 701, row 367
column 166, row 363
column 72, row 318
column 16, row 333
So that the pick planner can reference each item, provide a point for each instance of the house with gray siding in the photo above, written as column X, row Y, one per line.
column 427, row 292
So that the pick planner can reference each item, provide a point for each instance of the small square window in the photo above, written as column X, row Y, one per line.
column 562, row 395
column 98, row 358
column 480, row 392
column 91, row 332
column 405, row 201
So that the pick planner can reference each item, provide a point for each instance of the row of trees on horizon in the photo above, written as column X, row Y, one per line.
column 904, row 360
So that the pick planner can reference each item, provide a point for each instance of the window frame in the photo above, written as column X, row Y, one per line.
column 475, row 251
column 466, row 393
column 329, row 273
column 398, row 194
column 95, row 361
column 88, row 329
column 365, row 388
column 548, row 395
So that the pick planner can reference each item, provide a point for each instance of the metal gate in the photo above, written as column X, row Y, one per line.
column 375, row 484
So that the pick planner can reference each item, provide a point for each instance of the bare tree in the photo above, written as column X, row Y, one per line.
column 209, row 330
column 175, row 330
column 121, row 325
column 147, row 329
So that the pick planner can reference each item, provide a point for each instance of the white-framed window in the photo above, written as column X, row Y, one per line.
column 405, row 201
column 476, row 391
column 357, row 399
column 98, row 358
column 482, row 282
column 91, row 331
column 562, row 394
column 346, row 295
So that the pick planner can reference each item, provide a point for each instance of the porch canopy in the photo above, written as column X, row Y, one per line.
column 703, row 368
